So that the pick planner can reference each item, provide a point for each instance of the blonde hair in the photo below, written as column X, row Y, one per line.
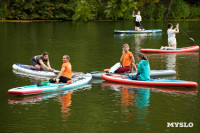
column 67, row 57
column 125, row 45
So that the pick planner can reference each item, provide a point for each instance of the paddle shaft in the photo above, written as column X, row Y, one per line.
column 187, row 35
column 141, row 26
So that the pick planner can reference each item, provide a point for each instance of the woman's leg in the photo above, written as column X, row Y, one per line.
column 173, row 46
column 123, row 69
column 52, row 80
column 64, row 79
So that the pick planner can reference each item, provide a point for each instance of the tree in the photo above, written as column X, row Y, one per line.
column 168, row 10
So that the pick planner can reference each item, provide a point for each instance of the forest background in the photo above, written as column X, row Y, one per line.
column 98, row 10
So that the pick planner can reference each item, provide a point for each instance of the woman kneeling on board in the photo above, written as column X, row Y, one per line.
column 37, row 62
column 138, row 26
column 143, row 71
column 171, row 36
column 65, row 74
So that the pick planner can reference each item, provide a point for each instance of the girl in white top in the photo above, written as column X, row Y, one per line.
column 171, row 36
column 138, row 20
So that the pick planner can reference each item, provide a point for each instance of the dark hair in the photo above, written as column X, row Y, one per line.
column 44, row 53
column 142, row 56
column 67, row 57
column 169, row 25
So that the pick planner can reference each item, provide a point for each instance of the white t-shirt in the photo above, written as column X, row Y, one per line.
column 138, row 18
column 171, row 37
column 171, row 33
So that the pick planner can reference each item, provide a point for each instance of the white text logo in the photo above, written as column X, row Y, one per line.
column 179, row 124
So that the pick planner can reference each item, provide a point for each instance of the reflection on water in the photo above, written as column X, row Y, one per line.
column 171, row 62
column 135, row 100
column 66, row 103
column 138, row 39
column 126, row 100
column 142, row 103
column 132, row 99
column 175, row 60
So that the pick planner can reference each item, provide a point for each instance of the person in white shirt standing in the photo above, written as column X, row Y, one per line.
column 171, row 36
column 138, row 17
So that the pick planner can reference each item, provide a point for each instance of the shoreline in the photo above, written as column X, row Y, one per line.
column 28, row 21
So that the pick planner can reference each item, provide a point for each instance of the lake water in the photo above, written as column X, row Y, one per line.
column 100, row 106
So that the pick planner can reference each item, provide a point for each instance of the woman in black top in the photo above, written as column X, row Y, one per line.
column 37, row 62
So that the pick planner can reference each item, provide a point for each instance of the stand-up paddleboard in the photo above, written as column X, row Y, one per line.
column 153, row 88
column 137, row 32
column 153, row 73
column 178, row 50
column 27, row 69
column 151, row 82
column 51, row 87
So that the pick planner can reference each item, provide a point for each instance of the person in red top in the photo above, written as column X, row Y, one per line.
column 126, row 59
column 65, row 73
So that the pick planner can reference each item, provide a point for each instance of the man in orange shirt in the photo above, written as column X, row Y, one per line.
column 126, row 60
column 65, row 74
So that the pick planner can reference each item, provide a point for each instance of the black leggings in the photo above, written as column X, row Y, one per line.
column 62, row 79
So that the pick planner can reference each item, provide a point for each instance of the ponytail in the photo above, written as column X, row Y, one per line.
column 142, row 57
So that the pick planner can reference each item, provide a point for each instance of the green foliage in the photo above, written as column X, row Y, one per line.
column 159, row 12
column 148, row 12
column 194, row 12
column 117, row 8
column 83, row 12
column 179, row 9
column 3, row 9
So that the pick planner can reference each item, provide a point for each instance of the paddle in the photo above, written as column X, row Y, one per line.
column 141, row 26
column 187, row 35
column 56, row 71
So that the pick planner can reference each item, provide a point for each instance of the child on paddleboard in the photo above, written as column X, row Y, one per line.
column 171, row 36
column 65, row 73
column 138, row 17
column 143, row 71
column 126, row 59
column 37, row 62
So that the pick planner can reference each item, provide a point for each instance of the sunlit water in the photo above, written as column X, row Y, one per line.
column 100, row 106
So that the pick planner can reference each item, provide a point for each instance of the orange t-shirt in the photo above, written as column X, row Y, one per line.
column 68, row 69
column 127, row 59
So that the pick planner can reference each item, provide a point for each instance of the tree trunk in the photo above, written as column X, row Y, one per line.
column 169, row 7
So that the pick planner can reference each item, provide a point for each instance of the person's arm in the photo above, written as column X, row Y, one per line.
column 61, row 72
column 139, row 69
column 133, row 63
column 133, row 15
column 121, row 59
column 42, row 63
column 176, row 29
column 48, row 64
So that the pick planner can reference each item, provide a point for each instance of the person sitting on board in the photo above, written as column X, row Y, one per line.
column 143, row 71
column 65, row 73
column 37, row 62
column 138, row 26
column 126, row 59
column 171, row 37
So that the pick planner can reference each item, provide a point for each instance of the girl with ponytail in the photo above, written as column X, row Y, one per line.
column 143, row 71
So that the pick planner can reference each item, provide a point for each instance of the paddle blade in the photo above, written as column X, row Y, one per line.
column 191, row 39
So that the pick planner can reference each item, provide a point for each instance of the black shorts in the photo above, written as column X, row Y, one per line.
column 137, row 24
column 62, row 79
column 33, row 62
